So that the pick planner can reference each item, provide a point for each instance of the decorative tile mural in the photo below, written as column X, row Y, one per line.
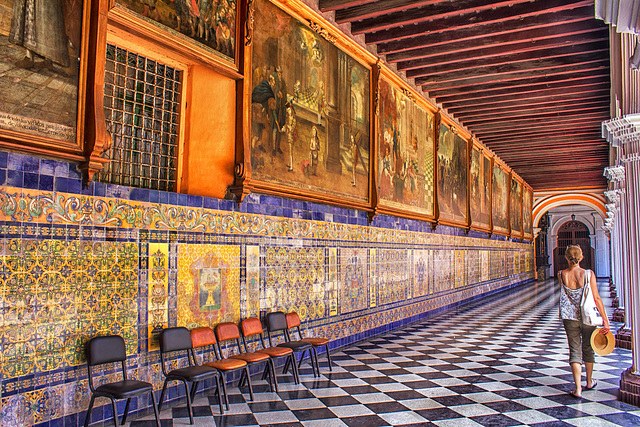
column 75, row 263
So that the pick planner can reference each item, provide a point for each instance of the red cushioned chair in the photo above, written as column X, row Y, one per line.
column 229, row 331
column 293, row 322
column 205, row 338
column 252, row 330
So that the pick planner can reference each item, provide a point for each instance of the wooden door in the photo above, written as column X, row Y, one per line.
column 572, row 233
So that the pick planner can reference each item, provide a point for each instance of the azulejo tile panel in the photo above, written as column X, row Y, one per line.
column 73, row 266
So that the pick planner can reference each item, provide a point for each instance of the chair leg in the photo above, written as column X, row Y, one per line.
column 223, row 380
column 242, row 378
column 314, row 361
column 273, row 374
column 296, row 373
column 126, row 411
column 220, row 396
column 164, row 388
column 285, row 369
column 194, row 390
column 326, row 346
column 88, row 417
column 186, row 389
column 246, row 372
column 155, row 408
column 115, row 412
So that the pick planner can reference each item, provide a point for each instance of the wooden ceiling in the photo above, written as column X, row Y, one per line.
column 529, row 78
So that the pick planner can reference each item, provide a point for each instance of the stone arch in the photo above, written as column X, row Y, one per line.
column 543, row 204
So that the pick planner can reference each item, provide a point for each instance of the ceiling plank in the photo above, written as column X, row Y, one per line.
column 495, row 53
column 583, row 52
column 503, row 18
column 383, row 8
column 329, row 5
column 507, row 126
column 519, row 75
column 510, row 91
column 582, row 27
column 535, row 113
column 528, row 102
column 377, row 19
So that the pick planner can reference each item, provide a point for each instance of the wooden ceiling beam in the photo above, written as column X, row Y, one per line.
column 535, row 113
column 544, row 58
column 372, row 9
column 533, row 133
column 510, row 125
column 487, row 22
column 529, row 102
column 329, row 5
column 582, row 27
column 497, row 54
column 519, row 75
column 510, row 91
column 575, row 139
column 373, row 17
column 540, row 94
column 520, row 83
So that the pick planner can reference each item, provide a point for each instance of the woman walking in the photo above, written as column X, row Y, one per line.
column 572, row 282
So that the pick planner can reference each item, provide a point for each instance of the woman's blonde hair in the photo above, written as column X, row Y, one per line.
column 573, row 254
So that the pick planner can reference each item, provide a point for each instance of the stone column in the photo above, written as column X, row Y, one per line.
column 624, row 134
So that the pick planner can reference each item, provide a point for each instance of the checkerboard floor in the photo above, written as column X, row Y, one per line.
column 500, row 361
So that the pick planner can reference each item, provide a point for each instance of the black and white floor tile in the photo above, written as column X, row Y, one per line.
column 500, row 361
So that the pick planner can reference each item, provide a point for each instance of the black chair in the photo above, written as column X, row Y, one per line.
column 178, row 340
column 276, row 323
column 110, row 349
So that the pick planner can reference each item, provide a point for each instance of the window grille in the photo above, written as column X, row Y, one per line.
column 142, row 100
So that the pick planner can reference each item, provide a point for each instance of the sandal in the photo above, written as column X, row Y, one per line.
column 573, row 393
column 594, row 383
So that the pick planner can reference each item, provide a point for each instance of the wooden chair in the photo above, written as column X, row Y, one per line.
column 178, row 340
column 252, row 327
column 230, row 332
column 205, row 337
column 110, row 349
column 293, row 322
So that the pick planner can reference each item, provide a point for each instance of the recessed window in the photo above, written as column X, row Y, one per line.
column 142, row 99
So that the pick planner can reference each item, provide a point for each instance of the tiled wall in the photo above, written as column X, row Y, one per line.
column 77, row 262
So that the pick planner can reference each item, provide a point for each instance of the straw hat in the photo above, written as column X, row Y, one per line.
column 601, row 343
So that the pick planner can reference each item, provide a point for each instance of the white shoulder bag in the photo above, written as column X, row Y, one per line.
column 590, row 314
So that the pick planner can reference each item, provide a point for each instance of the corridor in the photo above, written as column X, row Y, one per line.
column 499, row 361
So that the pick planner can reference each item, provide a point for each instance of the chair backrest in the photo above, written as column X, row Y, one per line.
column 293, row 322
column 203, row 337
column 250, row 328
column 107, row 349
column 228, row 331
column 175, row 339
column 277, row 322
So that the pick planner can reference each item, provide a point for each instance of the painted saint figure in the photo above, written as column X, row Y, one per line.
column 289, row 129
column 354, row 160
column 314, row 149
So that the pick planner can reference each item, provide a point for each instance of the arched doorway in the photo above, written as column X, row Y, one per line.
column 573, row 233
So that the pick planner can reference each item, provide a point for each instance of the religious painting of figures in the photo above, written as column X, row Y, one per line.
column 209, row 22
column 39, row 67
column 480, row 172
column 499, row 200
column 516, row 207
column 452, row 176
column 527, row 211
column 405, row 152
column 309, row 110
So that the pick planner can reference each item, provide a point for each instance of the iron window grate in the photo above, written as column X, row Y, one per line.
column 142, row 100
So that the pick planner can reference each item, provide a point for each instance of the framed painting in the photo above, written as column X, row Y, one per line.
column 515, row 207
column 480, row 188
column 44, row 55
column 309, row 110
column 452, row 175
column 405, row 152
column 500, row 199
column 527, row 211
column 211, row 25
